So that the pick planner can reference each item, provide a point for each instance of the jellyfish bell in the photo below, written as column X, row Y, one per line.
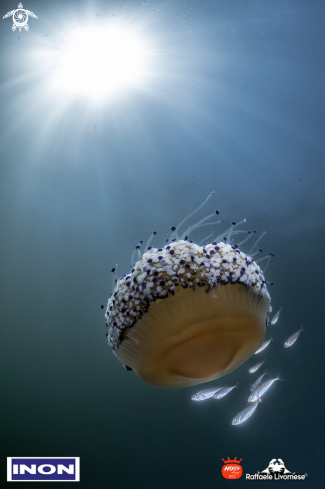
column 188, row 314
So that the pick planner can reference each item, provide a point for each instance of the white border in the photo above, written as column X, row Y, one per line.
column 77, row 471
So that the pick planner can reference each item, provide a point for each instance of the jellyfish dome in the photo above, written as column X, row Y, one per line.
column 189, row 313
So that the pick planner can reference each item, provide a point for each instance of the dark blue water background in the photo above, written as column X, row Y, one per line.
column 234, row 103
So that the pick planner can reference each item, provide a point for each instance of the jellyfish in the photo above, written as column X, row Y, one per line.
column 189, row 313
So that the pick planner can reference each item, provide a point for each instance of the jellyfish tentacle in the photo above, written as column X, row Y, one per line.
column 229, row 231
column 133, row 257
column 250, row 234
column 207, row 237
column 192, row 214
column 115, row 277
column 256, row 252
column 263, row 234
column 198, row 224
column 268, row 258
column 135, row 251
column 149, row 240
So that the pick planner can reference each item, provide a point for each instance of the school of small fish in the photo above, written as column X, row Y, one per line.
column 257, row 389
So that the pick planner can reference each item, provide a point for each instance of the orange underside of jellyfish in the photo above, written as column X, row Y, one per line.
column 188, row 313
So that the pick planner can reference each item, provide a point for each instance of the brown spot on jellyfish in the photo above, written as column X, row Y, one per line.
column 189, row 313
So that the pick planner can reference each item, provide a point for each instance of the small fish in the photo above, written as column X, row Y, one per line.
column 223, row 392
column 257, row 382
column 205, row 393
column 265, row 344
column 276, row 317
column 293, row 338
column 255, row 367
column 245, row 413
column 261, row 389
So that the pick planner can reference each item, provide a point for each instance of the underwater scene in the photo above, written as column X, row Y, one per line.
column 162, row 218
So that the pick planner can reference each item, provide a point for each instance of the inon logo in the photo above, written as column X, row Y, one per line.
column 33, row 469
column 232, row 469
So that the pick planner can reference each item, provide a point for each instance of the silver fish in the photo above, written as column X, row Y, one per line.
column 257, row 382
column 205, row 393
column 261, row 389
column 245, row 413
column 255, row 367
column 223, row 392
column 276, row 317
column 265, row 344
column 293, row 338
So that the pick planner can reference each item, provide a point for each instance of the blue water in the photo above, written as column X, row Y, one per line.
column 231, row 100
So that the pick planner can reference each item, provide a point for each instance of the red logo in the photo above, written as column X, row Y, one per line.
column 232, row 469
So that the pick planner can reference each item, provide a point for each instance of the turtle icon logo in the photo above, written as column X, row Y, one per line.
column 276, row 466
column 20, row 17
